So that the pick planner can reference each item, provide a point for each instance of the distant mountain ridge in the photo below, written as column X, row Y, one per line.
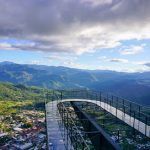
column 133, row 86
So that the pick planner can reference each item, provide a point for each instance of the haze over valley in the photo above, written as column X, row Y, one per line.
column 132, row 86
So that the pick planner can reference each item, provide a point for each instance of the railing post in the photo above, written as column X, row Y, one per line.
column 139, row 112
column 67, row 132
column 96, row 99
column 107, row 101
column 123, row 109
column 112, row 99
column 46, row 121
column 116, row 107
column 64, row 121
column 87, row 94
column 146, row 120
column 61, row 95
column 100, row 97
column 134, row 120
column 110, row 102
column 130, row 109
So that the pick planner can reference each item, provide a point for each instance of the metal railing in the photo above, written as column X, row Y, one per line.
column 134, row 110
column 70, row 131
column 73, row 133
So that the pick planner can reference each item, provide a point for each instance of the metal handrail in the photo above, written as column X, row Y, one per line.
column 132, row 109
column 58, row 99
column 123, row 103
column 78, row 131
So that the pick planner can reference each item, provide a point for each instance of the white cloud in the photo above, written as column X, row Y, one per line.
column 54, row 57
column 140, row 62
column 76, row 65
column 132, row 50
column 118, row 60
column 96, row 3
column 61, row 58
column 6, row 46
column 143, row 63
column 74, row 26
column 102, row 58
column 35, row 62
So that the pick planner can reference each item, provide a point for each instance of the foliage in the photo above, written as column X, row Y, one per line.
column 8, row 107
column 132, row 86
column 20, row 92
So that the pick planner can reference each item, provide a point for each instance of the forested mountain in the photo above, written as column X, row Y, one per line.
column 133, row 86
column 19, row 92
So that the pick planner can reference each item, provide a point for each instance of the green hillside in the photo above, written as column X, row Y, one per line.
column 20, row 92
column 19, row 97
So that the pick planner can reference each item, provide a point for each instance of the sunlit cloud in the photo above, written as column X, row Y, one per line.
column 118, row 60
column 6, row 46
column 133, row 50
column 61, row 58
column 68, row 26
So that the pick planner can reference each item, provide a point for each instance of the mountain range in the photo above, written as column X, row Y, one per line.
column 132, row 86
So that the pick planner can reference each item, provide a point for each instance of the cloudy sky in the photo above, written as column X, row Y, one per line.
column 88, row 34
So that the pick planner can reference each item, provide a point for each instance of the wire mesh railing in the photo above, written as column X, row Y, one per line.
column 72, row 137
column 73, row 133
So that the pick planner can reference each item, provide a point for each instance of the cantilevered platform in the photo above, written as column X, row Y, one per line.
column 55, row 139
column 131, row 121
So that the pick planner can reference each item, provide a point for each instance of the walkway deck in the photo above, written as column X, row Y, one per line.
column 55, row 140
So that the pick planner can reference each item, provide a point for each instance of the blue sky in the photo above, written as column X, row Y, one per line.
column 109, row 58
column 87, row 34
